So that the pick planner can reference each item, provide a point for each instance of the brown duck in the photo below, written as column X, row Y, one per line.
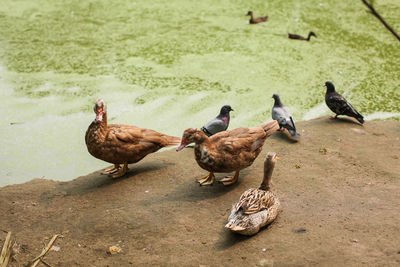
column 256, row 20
column 257, row 207
column 299, row 37
column 122, row 144
column 227, row 151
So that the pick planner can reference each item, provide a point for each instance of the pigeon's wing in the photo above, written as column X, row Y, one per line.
column 292, row 129
column 282, row 115
column 279, row 114
column 338, row 104
column 285, row 120
column 291, row 124
column 215, row 126
column 287, row 111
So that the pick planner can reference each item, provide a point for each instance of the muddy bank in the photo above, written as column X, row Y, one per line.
column 339, row 190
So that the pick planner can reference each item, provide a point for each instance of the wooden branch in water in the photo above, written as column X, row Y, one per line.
column 6, row 251
column 376, row 14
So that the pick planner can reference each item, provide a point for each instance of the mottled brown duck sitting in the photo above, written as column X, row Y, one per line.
column 299, row 37
column 227, row 151
column 122, row 144
column 256, row 20
column 257, row 207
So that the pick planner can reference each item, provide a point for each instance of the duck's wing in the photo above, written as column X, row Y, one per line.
column 261, row 19
column 239, row 140
column 254, row 200
column 294, row 36
column 140, row 138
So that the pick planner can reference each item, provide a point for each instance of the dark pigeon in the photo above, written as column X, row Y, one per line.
column 282, row 114
column 219, row 123
column 338, row 104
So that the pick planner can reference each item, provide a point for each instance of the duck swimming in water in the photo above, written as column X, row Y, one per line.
column 256, row 20
column 299, row 37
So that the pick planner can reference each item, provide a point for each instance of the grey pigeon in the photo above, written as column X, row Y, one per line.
column 282, row 114
column 219, row 123
column 338, row 104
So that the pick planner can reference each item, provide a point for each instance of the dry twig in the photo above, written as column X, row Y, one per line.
column 6, row 251
column 36, row 260
column 376, row 14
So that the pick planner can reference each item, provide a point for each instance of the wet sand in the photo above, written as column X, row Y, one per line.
column 338, row 187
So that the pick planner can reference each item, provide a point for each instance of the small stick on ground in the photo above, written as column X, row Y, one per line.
column 45, row 263
column 36, row 260
column 376, row 14
column 6, row 251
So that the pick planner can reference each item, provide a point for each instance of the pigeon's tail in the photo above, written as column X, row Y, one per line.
column 294, row 134
column 359, row 118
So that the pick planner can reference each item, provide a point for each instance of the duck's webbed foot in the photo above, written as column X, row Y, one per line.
column 111, row 170
column 228, row 180
column 207, row 180
column 333, row 117
column 121, row 172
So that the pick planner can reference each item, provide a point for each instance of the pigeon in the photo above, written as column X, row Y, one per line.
column 219, row 123
column 282, row 114
column 338, row 104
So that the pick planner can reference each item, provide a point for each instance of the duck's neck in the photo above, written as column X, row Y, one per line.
column 202, row 139
column 309, row 36
column 268, row 169
column 102, row 125
column 251, row 17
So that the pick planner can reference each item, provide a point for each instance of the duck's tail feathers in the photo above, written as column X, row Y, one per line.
column 173, row 140
column 270, row 127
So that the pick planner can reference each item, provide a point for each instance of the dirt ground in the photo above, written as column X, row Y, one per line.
column 338, row 187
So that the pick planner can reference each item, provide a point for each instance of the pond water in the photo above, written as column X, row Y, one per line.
column 170, row 65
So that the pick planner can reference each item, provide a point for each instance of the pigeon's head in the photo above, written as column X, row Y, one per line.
column 250, row 13
column 313, row 34
column 191, row 135
column 277, row 100
column 100, row 109
column 330, row 87
column 225, row 110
